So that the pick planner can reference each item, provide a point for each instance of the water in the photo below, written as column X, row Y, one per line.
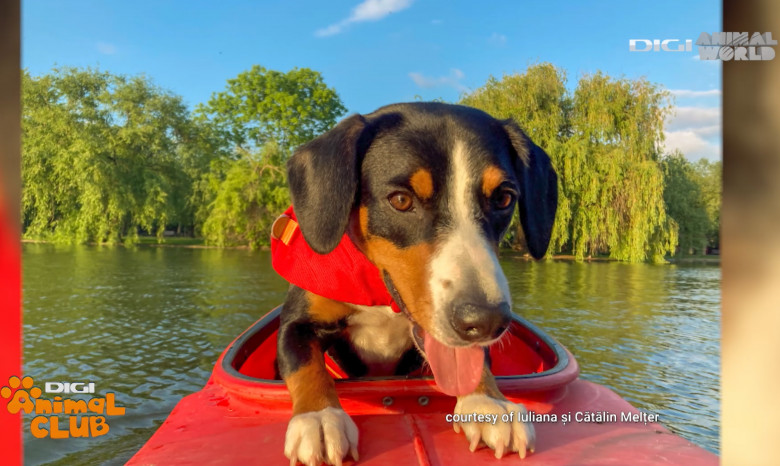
column 148, row 324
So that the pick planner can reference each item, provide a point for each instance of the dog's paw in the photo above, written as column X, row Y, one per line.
column 501, row 436
column 326, row 435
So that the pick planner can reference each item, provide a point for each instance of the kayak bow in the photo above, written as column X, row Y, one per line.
column 241, row 415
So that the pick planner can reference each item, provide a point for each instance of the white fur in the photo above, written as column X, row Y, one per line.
column 466, row 253
column 326, row 435
column 502, row 436
column 379, row 335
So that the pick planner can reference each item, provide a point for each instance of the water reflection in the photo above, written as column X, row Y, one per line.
column 148, row 323
column 651, row 333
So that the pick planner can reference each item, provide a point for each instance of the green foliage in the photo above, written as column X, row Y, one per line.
column 604, row 143
column 684, row 202
column 100, row 156
column 261, row 117
column 709, row 177
column 692, row 194
column 617, row 183
column 108, row 157
column 262, row 105
column 251, row 195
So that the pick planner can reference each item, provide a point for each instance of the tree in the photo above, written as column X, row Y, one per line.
column 684, row 202
column 100, row 156
column 262, row 105
column 708, row 176
column 604, row 143
column 260, row 117
column 252, row 194
column 614, row 179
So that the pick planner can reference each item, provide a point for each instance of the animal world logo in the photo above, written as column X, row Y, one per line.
column 84, row 418
column 725, row 46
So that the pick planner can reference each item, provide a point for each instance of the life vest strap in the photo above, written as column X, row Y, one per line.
column 284, row 228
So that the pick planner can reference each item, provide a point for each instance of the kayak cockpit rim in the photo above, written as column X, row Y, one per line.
column 237, row 354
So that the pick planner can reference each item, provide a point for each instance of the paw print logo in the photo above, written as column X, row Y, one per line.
column 20, row 398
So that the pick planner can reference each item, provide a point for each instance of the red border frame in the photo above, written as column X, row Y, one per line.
column 10, row 333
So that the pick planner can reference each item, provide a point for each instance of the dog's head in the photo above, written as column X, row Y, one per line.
column 426, row 191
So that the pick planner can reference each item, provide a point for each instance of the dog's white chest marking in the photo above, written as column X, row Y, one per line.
column 379, row 335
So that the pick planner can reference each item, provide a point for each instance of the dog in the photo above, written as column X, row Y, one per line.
column 411, row 201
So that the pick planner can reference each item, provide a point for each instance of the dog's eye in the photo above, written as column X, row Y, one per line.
column 400, row 201
column 503, row 199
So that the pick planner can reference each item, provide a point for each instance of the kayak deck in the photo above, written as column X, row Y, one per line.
column 241, row 415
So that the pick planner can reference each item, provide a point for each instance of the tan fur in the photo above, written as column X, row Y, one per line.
column 408, row 270
column 311, row 387
column 422, row 184
column 487, row 385
column 407, row 267
column 326, row 310
column 492, row 178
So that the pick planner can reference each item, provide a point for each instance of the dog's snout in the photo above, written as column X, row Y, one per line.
column 478, row 322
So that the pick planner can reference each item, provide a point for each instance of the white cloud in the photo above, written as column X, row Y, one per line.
column 329, row 31
column 693, row 117
column 105, row 48
column 692, row 145
column 691, row 93
column 372, row 10
column 695, row 131
column 428, row 82
column 369, row 10
column 497, row 39
column 713, row 131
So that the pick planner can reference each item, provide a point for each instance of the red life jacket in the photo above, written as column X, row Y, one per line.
column 344, row 274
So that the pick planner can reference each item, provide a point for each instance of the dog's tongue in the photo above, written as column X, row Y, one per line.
column 457, row 370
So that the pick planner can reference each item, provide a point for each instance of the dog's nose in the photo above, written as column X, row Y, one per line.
column 475, row 323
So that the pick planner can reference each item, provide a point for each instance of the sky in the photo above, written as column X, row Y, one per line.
column 377, row 52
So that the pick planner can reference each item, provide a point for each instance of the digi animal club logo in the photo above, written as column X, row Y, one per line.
column 82, row 418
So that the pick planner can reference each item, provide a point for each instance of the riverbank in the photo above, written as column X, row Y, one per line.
column 679, row 259
column 199, row 243
column 171, row 242
column 694, row 259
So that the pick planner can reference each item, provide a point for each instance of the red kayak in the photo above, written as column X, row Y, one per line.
column 241, row 415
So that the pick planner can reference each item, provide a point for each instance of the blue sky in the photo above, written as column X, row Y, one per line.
column 375, row 52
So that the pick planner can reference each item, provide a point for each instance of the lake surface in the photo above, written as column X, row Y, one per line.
column 148, row 324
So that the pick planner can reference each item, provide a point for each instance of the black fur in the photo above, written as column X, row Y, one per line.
column 323, row 178
column 297, row 330
column 539, row 191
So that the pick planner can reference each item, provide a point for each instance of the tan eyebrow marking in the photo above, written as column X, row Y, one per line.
column 422, row 184
column 492, row 177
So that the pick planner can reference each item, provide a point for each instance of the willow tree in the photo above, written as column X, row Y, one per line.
column 614, row 178
column 538, row 101
column 604, row 142
column 99, row 156
column 251, row 195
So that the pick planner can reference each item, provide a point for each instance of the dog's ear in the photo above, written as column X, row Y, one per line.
column 323, row 177
column 538, row 198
